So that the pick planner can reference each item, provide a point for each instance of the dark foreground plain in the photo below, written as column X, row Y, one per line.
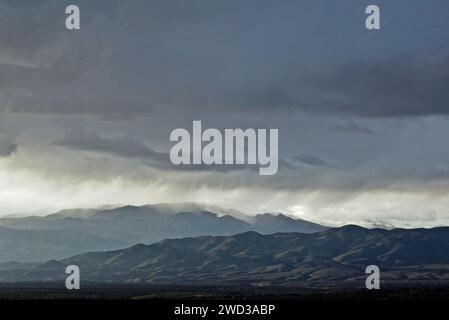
column 57, row 291
column 161, row 302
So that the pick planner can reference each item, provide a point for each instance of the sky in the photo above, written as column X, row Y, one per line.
column 85, row 116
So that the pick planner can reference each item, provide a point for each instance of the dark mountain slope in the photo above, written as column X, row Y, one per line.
column 249, row 258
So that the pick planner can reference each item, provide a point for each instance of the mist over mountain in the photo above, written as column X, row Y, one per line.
column 40, row 244
column 69, row 232
column 332, row 257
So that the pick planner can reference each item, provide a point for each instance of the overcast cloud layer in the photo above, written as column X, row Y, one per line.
column 85, row 116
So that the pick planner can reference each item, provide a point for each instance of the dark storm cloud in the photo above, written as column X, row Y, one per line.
column 131, row 148
column 6, row 147
column 392, row 89
column 122, row 146
column 351, row 126
column 312, row 160
column 214, row 56
column 45, row 69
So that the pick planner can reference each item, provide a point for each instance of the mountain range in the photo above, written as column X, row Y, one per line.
column 331, row 257
column 70, row 232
